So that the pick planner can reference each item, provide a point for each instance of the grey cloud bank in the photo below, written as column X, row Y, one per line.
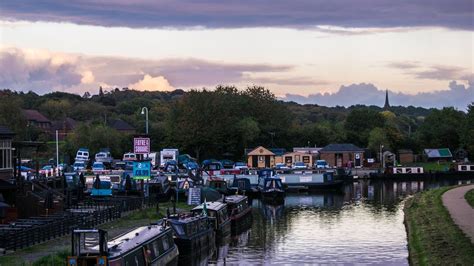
column 457, row 95
column 455, row 14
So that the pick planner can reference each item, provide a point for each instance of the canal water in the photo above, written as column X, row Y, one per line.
column 363, row 223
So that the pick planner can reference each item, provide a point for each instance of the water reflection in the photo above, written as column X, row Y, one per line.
column 363, row 223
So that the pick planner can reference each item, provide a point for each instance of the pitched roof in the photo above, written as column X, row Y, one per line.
column 341, row 147
column 5, row 131
column 68, row 124
column 438, row 153
column 34, row 115
column 118, row 124
column 261, row 151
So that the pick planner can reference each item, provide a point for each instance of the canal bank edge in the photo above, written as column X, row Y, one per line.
column 433, row 237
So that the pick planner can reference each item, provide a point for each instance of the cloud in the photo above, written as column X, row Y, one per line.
column 43, row 71
column 433, row 72
column 457, row 95
column 246, row 13
column 38, row 70
column 149, row 83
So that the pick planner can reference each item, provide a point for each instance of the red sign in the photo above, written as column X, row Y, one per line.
column 141, row 145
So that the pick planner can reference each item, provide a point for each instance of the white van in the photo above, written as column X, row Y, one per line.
column 129, row 157
column 82, row 155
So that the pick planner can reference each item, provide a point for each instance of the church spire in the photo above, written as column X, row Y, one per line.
column 387, row 104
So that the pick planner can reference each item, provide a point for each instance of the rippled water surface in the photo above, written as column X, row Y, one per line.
column 363, row 223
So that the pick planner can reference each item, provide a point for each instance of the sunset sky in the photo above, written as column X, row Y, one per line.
column 310, row 51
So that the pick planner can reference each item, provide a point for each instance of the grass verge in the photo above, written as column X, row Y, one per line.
column 470, row 197
column 54, row 252
column 433, row 238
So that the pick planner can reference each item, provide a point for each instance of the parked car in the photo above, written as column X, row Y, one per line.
column 299, row 165
column 104, row 156
column 46, row 169
column 129, row 157
column 281, row 166
column 79, row 166
column 240, row 166
column 321, row 164
column 228, row 164
column 98, row 166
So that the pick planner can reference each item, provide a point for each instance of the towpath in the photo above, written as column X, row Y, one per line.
column 461, row 212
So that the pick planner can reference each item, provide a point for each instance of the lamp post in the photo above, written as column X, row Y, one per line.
column 381, row 155
column 146, row 117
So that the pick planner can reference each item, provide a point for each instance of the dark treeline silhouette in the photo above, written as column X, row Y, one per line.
column 210, row 123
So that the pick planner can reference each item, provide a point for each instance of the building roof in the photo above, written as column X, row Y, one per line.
column 66, row 124
column 313, row 150
column 34, row 115
column 438, row 153
column 341, row 147
column 5, row 131
column 261, row 151
column 120, row 125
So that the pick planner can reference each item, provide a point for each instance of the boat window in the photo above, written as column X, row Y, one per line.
column 178, row 228
column 156, row 247
column 150, row 252
column 165, row 241
column 135, row 259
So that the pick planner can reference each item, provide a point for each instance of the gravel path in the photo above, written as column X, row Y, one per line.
column 461, row 212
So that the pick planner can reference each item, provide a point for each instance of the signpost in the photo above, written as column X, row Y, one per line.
column 141, row 145
column 141, row 170
column 194, row 196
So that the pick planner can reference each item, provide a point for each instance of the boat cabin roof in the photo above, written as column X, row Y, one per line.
column 213, row 205
column 234, row 199
column 186, row 220
column 135, row 238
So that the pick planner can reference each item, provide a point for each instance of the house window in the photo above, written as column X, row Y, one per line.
column 5, row 154
column 261, row 158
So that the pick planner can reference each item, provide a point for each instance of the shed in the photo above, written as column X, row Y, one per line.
column 405, row 156
column 344, row 154
column 261, row 157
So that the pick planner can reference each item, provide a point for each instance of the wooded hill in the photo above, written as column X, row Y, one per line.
column 210, row 123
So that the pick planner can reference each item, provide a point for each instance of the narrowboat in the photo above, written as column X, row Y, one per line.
column 218, row 184
column 242, row 186
column 182, row 187
column 240, row 213
column 271, row 189
column 145, row 245
column 217, row 212
column 194, row 235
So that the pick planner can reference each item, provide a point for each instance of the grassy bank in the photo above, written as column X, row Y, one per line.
column 470, row 197
column 54, row 252
column 433, row 238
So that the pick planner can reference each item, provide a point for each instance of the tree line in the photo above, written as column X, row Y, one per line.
column 224, row 121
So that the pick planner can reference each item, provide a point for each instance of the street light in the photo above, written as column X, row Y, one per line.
column 146, row 117
column 381, row 155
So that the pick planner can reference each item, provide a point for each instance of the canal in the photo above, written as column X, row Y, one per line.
column 363, row 223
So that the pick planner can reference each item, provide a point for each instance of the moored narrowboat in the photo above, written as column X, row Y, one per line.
column 217, row 212
column 271, row 189
column 218, row 184
column 145, row 245
column 194, row 235
column 240, row 213
column 242, row 186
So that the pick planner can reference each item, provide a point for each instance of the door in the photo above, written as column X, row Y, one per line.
column 267, row 161
column 339, row 159
column 254, row 161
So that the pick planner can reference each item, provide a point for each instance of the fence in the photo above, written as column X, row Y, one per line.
column 90, row 213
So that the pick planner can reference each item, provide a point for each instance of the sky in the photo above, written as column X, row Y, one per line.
column 338, row 52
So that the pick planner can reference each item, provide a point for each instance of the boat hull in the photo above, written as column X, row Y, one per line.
column 275, row 196
column 241, row 222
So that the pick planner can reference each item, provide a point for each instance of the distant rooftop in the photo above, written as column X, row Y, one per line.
column 342, row 147
column 5, row 131
column 438, row 153
column 34, row 115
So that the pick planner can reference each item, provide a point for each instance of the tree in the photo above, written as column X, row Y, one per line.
column 468, row 131
column 442, row 128
column 360, row 122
